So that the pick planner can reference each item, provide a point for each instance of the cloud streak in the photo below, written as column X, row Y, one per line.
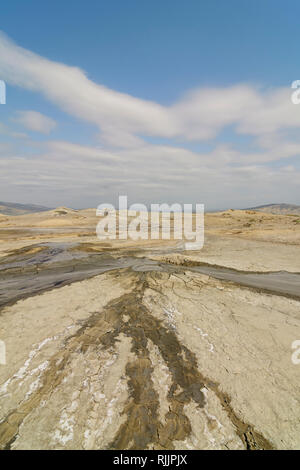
column 123, row 119
column 85, row 176
column 127, row 163
column 35, row 121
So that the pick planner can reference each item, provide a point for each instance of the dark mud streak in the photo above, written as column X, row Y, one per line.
column 186, row 384
column 36, row 279
column 142, row 428
column 91, row 334
column 53, row 376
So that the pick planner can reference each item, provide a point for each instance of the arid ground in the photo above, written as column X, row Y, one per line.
column 140, row 345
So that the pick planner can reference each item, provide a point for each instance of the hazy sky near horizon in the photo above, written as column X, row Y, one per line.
column 163, row 101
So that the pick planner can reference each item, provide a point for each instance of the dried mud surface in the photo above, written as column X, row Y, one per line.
column 136, row 346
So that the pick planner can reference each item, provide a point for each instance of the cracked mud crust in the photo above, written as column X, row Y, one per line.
column 133, row 360
column 138, row 345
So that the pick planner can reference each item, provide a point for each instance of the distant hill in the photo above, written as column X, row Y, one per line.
column 11, row 208
column 283, row 209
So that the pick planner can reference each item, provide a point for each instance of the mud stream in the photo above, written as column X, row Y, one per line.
column 38, row 268
column 130, row 317
column 35, row 269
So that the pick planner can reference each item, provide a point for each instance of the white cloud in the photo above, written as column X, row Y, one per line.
column 122, row 118
column 126, row 163
column 35, row 121
column 114, row 113
column 5, row 130
column 81, row 176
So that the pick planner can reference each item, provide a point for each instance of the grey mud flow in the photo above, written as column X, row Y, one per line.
column 54, row 265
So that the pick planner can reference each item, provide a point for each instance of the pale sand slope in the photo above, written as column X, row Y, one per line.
column 240, row 254
column 248, row 241
column 134, row 360
column 245, row 240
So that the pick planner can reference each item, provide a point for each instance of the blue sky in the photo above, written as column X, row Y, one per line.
column 180, row 102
